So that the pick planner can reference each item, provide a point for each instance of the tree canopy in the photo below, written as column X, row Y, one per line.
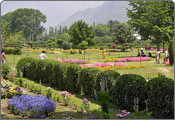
column 122, row 34
column 29, row 21
column 79, row 32
column 152, row 20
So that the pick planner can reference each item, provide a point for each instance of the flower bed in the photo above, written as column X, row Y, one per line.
column 103, row 64
column 129, row 59
column 78, row 61
column 32, row 106
column 111, row 66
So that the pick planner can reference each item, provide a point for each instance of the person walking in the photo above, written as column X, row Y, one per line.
column 158, row 57
column 166, row 55
column 43, row 55
column 3, row 57
column 132, row 49
column 104, row 53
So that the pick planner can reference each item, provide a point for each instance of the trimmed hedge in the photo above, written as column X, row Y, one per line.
column 109, row 78
column 72, row 77
column 15, row 51
column 22, row 63
column 161, row 97
column 122, row 89
column 87, row 79
column 126, row 88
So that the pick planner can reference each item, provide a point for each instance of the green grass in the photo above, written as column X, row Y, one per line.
column 150, row 69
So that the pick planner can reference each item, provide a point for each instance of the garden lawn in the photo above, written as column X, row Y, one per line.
column 150, row 68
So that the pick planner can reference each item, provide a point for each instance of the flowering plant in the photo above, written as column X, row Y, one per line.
column 85, row 105
column 77, row 61
column 104, row 64
column 129, row 59
column 34, row 106
column 65, row 96
column 123, row 114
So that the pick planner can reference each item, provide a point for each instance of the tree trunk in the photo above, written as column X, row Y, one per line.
column 158, row 46
column 163, row 47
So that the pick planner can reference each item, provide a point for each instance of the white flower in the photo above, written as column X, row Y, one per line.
column 48, row 88
column 24, row 92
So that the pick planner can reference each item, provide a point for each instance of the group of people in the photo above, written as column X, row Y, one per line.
column 142, row 53
column 158, row 56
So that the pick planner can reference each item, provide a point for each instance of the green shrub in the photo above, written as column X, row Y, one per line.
column 171, row 52
column 48, row 93
column 126, row 88
column 106, row 79
column 161, row 97
column 17, row 51
column 103, row 99
column 8, row 51
column 5, row 71
column 59, row 79
column 22, row 63
column 87, row 79
column 72, row 77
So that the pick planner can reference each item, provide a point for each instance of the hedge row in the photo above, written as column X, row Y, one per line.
column 15, row 51
column 122, row 89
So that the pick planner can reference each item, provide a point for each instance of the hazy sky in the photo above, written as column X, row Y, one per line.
column 56, row 11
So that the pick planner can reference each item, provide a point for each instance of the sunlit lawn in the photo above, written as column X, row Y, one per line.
column 150, row 68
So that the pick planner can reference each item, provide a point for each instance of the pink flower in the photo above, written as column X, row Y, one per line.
column 65, row 93
column 124, row 115
column 118, row 115
column 128, row 112
column 85, row 100
column 124, row 111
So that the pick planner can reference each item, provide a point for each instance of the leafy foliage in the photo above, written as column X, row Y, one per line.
column 126, row 88
column 26, row 20
column 5, row 71
column 106, row 79
column 87, row 79
column 123, row 34
column 152, row 20
column 171, row 52
column 161, row 97
column 79, row 32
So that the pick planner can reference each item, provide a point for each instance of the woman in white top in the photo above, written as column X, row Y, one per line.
column 158, row 57
column 166, row 55
column 43, row 55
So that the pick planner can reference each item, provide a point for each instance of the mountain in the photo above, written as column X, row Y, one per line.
column 110, row 10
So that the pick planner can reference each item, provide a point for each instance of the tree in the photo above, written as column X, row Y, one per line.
column 15, row 39
column 122, row 34
column 111, row 24
column 83, row 45
column 79, row 32
column 152, row 20
column 171, row 52
column 101, row 30
column 27, row 20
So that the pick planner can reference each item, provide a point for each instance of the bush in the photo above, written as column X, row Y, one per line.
column 126, row 88
column 17, row 51
column 107, row 77
column 171, row 52
column 5, row 71
column 72, row 77
column 8, row 51
column 103, row 99
column 161, row 97
column 22, row 63
column 87, row 79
